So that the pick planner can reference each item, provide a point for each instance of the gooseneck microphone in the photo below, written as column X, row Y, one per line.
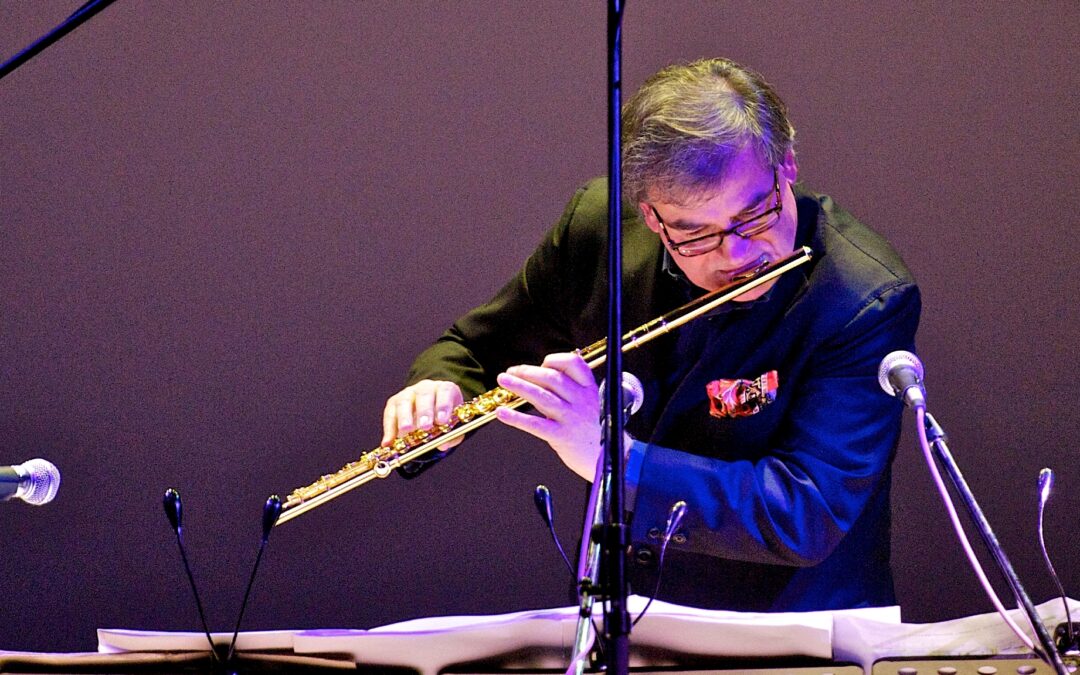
column 542, row 499
column 35, row 482
column 271, row 512
column 1067, row 634
column 675, row 517
column 174, row 512
column 901, row 375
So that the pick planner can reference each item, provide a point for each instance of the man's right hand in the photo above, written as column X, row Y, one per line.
column 420, row 406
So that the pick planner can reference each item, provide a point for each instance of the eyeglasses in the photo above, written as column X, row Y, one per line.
column 746, row 229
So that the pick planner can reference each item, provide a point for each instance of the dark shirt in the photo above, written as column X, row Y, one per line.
column 788, row 509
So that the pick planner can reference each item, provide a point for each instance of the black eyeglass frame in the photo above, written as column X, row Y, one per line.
column 746, row 229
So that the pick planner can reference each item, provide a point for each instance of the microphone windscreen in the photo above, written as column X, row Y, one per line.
column 271, row 513
column 172, row 505
column 891, row 363
column 41, row 483
column 633, row 392
column 1046, row 483
column 542, row 500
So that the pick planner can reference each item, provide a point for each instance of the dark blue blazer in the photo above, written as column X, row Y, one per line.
column 788, row 508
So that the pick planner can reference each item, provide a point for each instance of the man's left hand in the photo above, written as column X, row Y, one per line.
column 564, row 392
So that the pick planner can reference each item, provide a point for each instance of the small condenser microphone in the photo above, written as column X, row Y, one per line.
column 674, row 519
column 542, row 499
column 901, row 375
column 271, row 513
column 174, row 512
column 35, row 481
column 1066, row 631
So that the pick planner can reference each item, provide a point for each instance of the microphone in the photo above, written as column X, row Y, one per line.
column 542, row 499
column 901, row 375
column 675, row 517
column 35, row 482
column 174, row 511
column 633, row 393
column 1046, row 483
column 1065, row 633
column 271, row 513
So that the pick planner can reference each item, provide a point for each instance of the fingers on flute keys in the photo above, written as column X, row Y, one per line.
column 420, row 406
column 564, row 392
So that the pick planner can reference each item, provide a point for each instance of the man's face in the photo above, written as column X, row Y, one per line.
column 748, row 190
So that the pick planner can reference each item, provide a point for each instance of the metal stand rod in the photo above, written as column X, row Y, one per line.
column 589, row 567
column 936, row 435
column 613, row 536
column 81, row 16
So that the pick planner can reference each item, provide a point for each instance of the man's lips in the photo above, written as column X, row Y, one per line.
column 748, row 270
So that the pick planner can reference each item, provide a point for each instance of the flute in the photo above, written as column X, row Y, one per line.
column 475, row 413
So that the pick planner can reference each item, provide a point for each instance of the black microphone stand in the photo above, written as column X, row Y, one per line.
column 613, row 535
column 604, row 542
column 78, row 18
column 936, row 435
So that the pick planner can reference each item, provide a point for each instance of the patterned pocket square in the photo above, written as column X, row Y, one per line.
column 741, row 398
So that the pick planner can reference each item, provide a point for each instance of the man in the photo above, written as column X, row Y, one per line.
column 764, row 416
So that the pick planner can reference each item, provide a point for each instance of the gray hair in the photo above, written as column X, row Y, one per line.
column 687, row 121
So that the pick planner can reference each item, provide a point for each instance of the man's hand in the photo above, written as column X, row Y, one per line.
column 565, row 394
column 420, row 406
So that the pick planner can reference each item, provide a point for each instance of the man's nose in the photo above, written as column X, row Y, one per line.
column 734, row 247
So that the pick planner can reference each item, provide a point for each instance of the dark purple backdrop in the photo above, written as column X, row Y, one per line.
column 226, row 228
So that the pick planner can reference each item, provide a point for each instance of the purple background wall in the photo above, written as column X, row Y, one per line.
column 226, row 228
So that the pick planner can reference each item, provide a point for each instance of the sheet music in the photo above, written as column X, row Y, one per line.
column 863, row 640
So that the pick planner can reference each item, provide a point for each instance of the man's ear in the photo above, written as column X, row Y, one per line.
column 648, row 217
column 789, row 167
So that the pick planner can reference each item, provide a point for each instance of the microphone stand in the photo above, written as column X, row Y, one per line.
column 602, row 561
column 936, row 435
column 78, row 18
column 588, row 570
column 613, row 535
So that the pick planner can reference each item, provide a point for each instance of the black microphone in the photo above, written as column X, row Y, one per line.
column 174, row 511
column 35, row 481
column 674, row 519
column 271, row 513
column 542, row 499
column 633, row 393
column 901, row 375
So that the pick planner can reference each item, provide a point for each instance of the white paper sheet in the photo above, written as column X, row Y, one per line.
column 668, row 635
column 862, row 640
column 117, row 640
column 543, row 638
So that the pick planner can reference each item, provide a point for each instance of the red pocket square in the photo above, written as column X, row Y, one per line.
column 740, row 398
